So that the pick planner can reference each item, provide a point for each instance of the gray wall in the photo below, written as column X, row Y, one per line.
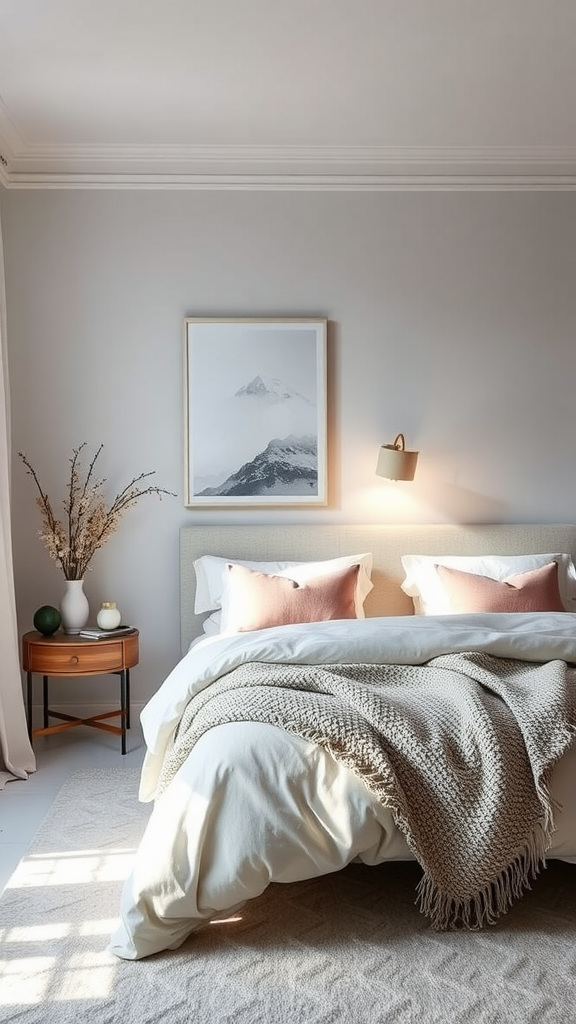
column 452, row 319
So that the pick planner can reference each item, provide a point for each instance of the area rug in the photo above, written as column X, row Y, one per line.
column 349, row 948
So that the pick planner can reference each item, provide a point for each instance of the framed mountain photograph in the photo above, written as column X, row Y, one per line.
column 255, row 412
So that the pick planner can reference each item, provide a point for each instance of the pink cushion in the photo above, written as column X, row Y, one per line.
column 534, row 591
column 257, row 600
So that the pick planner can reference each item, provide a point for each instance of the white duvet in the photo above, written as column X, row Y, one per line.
column 254, row 804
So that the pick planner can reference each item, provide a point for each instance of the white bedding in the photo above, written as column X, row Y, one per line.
column 254, row 804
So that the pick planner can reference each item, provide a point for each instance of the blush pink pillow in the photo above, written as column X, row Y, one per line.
column 257, row 600
column 534, row 591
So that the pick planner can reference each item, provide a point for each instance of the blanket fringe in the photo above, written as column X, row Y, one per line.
column 485, row 906
column 488, row 904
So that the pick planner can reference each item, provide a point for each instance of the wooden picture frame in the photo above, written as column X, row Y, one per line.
column 255, row 412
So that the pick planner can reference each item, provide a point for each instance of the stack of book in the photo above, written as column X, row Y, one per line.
column 94, row 633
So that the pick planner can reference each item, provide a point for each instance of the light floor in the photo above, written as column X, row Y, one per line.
column 24, row 804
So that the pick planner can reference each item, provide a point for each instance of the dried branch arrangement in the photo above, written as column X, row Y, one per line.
column 88, row 520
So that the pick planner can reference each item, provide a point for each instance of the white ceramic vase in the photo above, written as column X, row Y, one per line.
column 74, row 607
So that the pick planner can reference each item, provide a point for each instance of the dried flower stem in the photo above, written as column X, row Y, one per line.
column 88, row 521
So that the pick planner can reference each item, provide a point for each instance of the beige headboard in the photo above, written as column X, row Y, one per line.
column 387, row 544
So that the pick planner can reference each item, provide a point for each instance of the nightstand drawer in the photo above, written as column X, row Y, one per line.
column 78, row 659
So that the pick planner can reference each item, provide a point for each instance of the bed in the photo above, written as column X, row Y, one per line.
column 428, row 714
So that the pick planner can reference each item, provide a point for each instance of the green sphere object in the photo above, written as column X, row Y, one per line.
column 47, row 620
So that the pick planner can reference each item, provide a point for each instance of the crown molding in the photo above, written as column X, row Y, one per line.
column 301, row 183
column 288, row 168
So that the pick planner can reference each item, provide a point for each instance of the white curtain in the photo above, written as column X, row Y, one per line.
column 16, row 755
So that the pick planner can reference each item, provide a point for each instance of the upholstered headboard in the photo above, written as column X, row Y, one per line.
column 387, row 544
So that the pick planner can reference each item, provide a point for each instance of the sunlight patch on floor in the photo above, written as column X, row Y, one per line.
column 80, row 960
column 91, row 973
column 25, row 982
column 36, row 979
column 35, row 933
column 103, row 926
column 75, row 867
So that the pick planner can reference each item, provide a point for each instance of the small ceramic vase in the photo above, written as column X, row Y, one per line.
column 109, row 616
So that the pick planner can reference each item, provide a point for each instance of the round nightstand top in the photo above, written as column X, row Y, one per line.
column 62, row 639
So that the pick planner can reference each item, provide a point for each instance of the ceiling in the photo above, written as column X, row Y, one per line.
column 328, row 94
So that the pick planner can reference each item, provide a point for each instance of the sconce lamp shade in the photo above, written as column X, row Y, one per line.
column 394, row 462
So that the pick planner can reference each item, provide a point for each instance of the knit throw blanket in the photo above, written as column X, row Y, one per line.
column 460, row 749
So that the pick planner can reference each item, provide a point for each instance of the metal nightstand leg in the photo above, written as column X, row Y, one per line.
column 45, row 700
column 29, row 703
column 29, row 700
column 123, row 707
column 127, row 698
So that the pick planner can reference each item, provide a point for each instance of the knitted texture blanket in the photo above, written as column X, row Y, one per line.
column 459, row 748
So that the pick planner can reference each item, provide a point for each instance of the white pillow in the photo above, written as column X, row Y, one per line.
column 212, row 625
column 423, row 584
column 210, row 582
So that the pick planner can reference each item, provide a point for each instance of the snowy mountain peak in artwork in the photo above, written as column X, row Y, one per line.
column 286, row 466
column 269, row 388
column 267, row 418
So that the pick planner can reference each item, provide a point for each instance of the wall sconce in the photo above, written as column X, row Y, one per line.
column 394, row 462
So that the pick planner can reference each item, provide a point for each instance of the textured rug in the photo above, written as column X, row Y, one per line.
column 350, row 947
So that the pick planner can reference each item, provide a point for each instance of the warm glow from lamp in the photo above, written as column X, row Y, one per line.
column 394, row 462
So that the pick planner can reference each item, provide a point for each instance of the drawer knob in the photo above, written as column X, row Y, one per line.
column 74, row 659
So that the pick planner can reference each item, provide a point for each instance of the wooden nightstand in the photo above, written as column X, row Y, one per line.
column 72, row 655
